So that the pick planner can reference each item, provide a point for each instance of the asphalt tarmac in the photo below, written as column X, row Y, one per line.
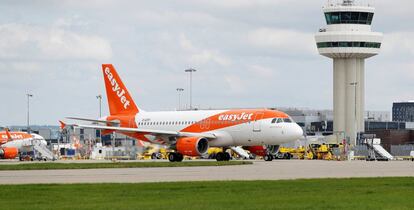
column 260, row 170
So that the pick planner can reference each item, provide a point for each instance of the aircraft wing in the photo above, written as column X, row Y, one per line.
column 149, row 131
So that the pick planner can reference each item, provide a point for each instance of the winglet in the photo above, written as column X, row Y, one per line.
column 9, row 137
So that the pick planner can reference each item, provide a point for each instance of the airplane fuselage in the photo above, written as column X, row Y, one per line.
column 247, row 127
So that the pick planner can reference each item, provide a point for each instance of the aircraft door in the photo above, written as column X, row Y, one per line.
column 257, row 127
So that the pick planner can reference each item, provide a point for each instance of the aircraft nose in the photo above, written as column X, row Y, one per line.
column 297, row 131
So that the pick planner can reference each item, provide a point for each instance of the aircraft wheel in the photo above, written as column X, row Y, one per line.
column 287, row 156
column 154, row 156
column 227, row 156
column 172, row 157
column 220, row 156
column 180, row 157
column 268, row 157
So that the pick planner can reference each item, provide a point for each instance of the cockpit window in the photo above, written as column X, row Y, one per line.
column 281, row 120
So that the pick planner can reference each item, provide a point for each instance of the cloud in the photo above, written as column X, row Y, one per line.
column 283, row 41
column 262, row 71
column 401, row 42
column 404, row 8
column 241, row 48
column 199, row 56
column 28, row 42
column 235, row 83
column 247, row 4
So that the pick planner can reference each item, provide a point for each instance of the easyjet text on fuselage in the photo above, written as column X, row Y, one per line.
column 234, row 117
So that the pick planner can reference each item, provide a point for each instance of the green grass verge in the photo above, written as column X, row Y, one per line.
column 366, row 193
column 51, row 166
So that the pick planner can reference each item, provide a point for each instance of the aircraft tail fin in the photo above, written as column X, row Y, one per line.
column 119, row 100
column 9, row 137
column 62, row 125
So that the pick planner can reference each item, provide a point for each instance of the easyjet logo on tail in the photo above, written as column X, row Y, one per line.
column 120, row 101
column 116, row 88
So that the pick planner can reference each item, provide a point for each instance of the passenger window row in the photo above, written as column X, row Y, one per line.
column 223, row 122
column 167, row 123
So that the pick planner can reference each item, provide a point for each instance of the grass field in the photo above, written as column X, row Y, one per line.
column 366, row 193
column 50, row 166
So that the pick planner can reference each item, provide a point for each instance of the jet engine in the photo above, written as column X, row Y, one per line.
column 192, row 146
column 8, row 153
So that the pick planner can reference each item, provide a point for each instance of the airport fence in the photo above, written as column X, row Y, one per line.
column 361, row 150
column 402, row 150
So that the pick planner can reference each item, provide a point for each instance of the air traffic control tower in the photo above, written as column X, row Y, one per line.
column 348, row 40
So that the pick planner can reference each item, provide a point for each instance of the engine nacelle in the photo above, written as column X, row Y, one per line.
column 192, row 146
column 8, row 153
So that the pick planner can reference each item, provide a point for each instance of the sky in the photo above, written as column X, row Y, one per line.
column 247, row 54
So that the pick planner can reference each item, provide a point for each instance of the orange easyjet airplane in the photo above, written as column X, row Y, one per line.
column 192, row 132
column 11, row 142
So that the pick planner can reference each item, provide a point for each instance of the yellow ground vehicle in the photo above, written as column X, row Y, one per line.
column 212, row 151
column 312, row 152
column 322, row 151
column 153, row 153
column 285, row 153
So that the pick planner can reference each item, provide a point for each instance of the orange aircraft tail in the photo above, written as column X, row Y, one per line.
column 119, row 100
column 62, row 125
column 9, row 137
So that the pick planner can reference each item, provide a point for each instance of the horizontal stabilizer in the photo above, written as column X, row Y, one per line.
column 93, row 120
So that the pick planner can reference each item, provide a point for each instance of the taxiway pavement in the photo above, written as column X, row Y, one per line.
column 260, row 170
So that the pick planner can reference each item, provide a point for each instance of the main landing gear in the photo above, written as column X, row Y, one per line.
column 268, row 157
column 223, row 156
column 175, row 157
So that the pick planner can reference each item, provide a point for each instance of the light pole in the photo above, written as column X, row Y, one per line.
column 191, row 84
column 28, row 111
column 179, row 90
column 99, row 97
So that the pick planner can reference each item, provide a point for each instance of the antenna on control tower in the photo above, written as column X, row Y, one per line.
column 348, row 2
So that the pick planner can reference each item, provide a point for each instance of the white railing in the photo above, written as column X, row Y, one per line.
column 41, row 148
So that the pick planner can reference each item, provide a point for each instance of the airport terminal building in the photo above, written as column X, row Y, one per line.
column 403, row 111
